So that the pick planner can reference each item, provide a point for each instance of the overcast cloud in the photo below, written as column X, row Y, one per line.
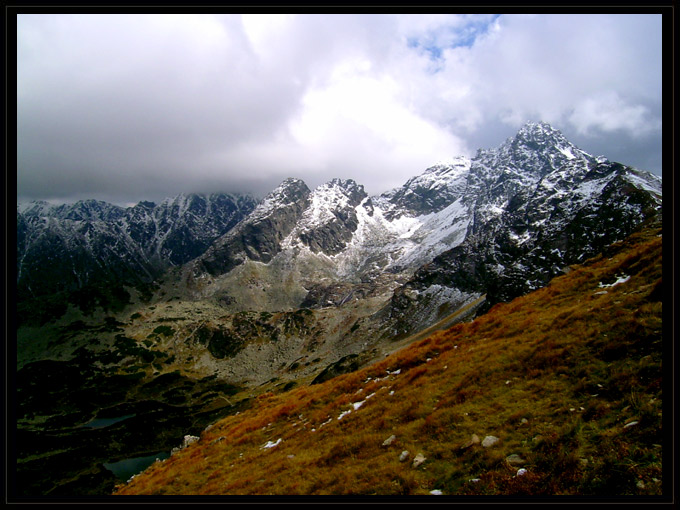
column 131, row 107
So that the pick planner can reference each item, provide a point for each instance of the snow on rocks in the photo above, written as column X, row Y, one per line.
column 620, row 279
column 355, row 406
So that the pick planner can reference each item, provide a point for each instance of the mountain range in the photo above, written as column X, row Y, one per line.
column 169, row 316
column 499, row 224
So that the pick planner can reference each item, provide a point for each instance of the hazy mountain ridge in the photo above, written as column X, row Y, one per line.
column 499, row 224
column 70, row 247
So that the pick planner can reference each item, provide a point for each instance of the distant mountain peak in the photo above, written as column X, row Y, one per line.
column 539, row 136
column 291, row 190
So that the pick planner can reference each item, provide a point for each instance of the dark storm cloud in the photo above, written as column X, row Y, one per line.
column 126, row 108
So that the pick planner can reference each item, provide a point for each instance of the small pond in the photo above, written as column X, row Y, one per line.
column 124, row 469
column 99, row 423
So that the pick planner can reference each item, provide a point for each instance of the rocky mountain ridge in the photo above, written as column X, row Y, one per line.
column 75, row 248
column 501, row 224
column 472, row 230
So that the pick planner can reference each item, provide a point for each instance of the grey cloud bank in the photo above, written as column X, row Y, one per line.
column 131, row 107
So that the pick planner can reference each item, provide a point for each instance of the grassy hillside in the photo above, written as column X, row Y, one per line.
column 567, row 378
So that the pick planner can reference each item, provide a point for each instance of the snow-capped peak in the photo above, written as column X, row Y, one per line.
column 289, row 191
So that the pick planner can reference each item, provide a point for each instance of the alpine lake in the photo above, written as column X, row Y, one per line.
column 85, row 425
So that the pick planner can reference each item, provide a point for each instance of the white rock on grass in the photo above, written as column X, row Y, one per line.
column 271, row 444
column 473, row 441
column 418, row 460
column 189, row 440
column 389, row 440
column 489, row 441
column 514, row 460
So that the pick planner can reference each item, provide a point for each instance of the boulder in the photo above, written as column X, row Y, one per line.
column 490, row 441
column 389, row 440
column 418, row 460
column 515, row 460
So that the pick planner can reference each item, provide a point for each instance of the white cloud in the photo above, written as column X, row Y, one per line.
column 607, row 111
column 165, row 102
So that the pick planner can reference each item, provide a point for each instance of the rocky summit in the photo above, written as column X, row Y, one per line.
column 197, row 304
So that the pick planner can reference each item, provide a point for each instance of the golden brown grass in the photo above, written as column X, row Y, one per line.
column 556, row 375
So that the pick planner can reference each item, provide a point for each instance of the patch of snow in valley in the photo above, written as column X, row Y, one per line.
column 620, row 279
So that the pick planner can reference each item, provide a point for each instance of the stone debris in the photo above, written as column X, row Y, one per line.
column 389, row 440
column 185, row 442
column 189, row 440
column 272, row 444
column 490, row 441
column 418, row 460
column 473, row 441
column 404, row 456
column 515, row 460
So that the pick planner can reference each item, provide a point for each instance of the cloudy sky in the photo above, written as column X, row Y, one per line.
column 131, row 107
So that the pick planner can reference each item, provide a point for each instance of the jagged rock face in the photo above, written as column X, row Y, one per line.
column 573, row 213
column 331, row 219
column 430, row 192
column 540, row 204
column 259, row 237
column 536, row 150
column 188, row 224
column 66, row 248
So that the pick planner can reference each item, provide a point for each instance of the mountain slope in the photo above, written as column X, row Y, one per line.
column 463, row 235
column 70, row 251
column 502, row 223
column 567, row 379
column 528, row 224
